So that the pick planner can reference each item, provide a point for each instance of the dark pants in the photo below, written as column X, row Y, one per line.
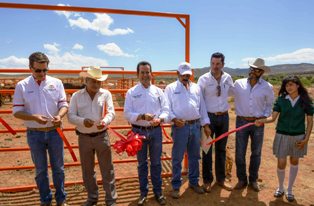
column 154, row 146
column 100, row 145
column 256, row 134
column 218, row 125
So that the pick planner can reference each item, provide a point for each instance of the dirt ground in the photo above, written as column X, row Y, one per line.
column 128, row 189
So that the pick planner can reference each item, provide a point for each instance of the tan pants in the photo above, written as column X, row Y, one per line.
column 101, row 145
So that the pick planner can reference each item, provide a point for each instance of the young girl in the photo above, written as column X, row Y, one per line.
column 292, row 105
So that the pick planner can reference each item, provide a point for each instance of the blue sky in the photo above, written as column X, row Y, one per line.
column 281, row 31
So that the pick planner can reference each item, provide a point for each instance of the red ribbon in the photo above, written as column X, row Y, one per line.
column 131, row 144
column 12, row 131
column 67, row 144
column 229, row 132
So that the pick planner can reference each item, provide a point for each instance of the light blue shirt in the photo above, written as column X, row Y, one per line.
column 253, row 102
column 141, row 100
column 186, row 104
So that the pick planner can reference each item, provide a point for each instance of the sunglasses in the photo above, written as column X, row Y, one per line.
column 256, row 70
column 218, row 91
column 40, row 70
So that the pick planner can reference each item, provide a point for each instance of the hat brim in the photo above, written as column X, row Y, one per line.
column 101, row 79
column 265, row 68
column 186, row 72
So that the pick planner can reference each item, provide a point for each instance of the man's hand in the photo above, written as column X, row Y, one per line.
column 207, row 131
column 88, row 123
column 56, row 121
column 41, row 119
column 260, row 122
column 101, row 125
column 179, row 122
column 148, row 117
column 155, row 122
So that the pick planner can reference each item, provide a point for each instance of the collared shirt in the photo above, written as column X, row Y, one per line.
column 293, row 102
column 141, row 100
column 187, row 104
column 82, row 107
column 44, row 99
column 208, row 85
column 253, row 102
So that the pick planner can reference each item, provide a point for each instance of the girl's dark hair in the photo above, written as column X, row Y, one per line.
column 304, row 95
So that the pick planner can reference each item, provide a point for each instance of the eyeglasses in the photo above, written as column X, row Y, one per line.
column 218, row 91
column 255, row 70
column 40, row 70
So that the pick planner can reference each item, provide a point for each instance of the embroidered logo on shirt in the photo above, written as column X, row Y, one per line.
column 30, row 92
column 177, row 92
column 51, row 87
column 137, row 96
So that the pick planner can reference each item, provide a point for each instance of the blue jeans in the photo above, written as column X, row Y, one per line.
column 154, row 145
column 256, row 135
column 186, row 138
column 218, row 125
column 39, row 142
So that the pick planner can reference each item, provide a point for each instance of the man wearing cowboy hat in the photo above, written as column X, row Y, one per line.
column 253, row 97
column 91, row 110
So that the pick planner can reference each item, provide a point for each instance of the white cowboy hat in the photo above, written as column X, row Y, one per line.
column 94, row 73
column 185, row 68
column 260, row 64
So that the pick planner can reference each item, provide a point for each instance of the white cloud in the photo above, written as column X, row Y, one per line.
column 67, row 14
column 101, row 24
column 78, row 46
column 52, row 48
column 304, row 55
column 66, row 61
column 113, row 50
column 13, row 61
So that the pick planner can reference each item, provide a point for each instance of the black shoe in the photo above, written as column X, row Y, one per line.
column 141, row 200
column 90, row 203
column 198, row 189
column 289, row 197
column 160, row 199
column 240, row 185
column 255, row 186
column 45, row 204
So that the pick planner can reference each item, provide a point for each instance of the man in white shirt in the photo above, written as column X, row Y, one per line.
column 146, row 108
column 40, row 101
column 215, row 86
column 91, row 110
column 253, row 97
column 188, row 113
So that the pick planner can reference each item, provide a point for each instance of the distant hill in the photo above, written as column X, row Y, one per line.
column 276, row 69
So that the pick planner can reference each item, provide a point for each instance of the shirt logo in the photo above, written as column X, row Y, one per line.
column 137, row 96
column 51, row 87
column 177, row 92
column 30, row 92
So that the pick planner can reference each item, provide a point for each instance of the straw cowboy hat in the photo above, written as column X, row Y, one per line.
column 94, row 73
column 260, row 64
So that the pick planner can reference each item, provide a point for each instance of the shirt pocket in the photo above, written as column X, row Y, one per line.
column 52, row 94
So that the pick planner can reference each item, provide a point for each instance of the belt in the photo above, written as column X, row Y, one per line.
column 144, row 127
column 94, row 134
column 192, row 121
column 218, row 113
column 250, row 119
column 42, row 129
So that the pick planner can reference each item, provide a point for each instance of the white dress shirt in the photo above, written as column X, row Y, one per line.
column 44, row 99
column 208, row 85
column 186, row 104
column 82, row 107
column 253, row 102
column 141, row 100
